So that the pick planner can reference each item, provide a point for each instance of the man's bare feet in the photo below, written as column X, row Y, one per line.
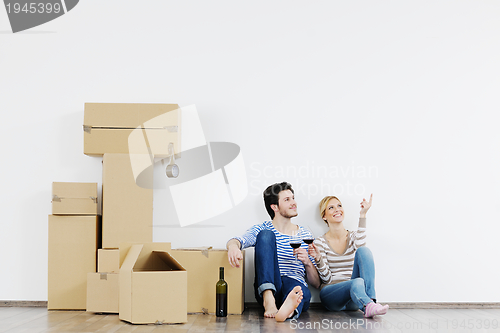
column 269, row 303
column 292, row 301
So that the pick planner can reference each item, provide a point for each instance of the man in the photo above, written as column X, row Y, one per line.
column 280, row 284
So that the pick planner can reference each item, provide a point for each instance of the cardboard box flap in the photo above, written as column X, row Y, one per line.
column 158, row 261
column 131, row 258
column 169, row 260
column 131, row 115
column 148, row 247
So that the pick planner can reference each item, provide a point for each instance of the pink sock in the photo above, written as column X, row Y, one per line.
column 373, row 309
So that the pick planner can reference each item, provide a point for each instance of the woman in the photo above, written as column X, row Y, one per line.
column 344, row 264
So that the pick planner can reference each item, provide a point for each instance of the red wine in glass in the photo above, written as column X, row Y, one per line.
column 307, row 235
column 295, row 244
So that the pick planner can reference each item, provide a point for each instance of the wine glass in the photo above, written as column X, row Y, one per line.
column 295, row 241
column 307, row 235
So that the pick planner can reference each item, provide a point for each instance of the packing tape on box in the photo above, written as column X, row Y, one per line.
column 55, row 198
column 204, row 250
column 212, row 174
column 103, row 276
column 172, row 129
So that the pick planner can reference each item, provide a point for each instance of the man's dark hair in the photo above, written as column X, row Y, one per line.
column 271, row 195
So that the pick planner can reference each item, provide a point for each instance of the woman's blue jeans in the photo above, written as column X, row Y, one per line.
column 268, row 277
column 357, row 292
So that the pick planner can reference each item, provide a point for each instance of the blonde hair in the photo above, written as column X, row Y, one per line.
column 323, row 203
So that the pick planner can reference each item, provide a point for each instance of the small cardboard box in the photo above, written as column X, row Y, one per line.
column 74, row 198
column 108, row 261
column 153, row 287
column 127, row 208
column 202, row 266
column 122, row 128
column 73, row 243
column 103, row 291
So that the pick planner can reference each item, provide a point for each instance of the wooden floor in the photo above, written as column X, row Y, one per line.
column 37, row 320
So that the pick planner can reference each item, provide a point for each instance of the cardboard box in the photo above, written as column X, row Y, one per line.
column 74, row 198
column 131, row 128
column 127, row 211
column 103, row 290
column 73, row 243
column 202, row 266
column 153, row 287
column 108, row 261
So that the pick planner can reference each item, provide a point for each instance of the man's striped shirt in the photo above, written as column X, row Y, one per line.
column 286, row 260
column 337, row 267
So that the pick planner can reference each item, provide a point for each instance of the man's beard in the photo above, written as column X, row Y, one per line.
column 288, row 216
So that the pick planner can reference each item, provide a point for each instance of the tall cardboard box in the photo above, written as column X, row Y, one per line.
column 103, row 290
column 153, row 287
column 122, row 128
column 202, row 266
column 127, row 208
column 73, row 243
column 74, row 198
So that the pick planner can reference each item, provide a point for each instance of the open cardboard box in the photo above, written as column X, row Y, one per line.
column 153, row 286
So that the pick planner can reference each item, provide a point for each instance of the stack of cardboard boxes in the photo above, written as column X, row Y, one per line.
column 144, row 282
column 74, row 237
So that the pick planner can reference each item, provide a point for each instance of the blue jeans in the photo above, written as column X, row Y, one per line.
column 357, row 292
column 268, row 277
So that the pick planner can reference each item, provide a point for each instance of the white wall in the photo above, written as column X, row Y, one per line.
column 394, row 98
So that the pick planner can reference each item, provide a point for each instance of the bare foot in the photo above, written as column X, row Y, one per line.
column 269, row 303
column 270, row 310
column 292, row 301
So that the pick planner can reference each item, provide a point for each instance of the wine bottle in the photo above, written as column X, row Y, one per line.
column 221, row 295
